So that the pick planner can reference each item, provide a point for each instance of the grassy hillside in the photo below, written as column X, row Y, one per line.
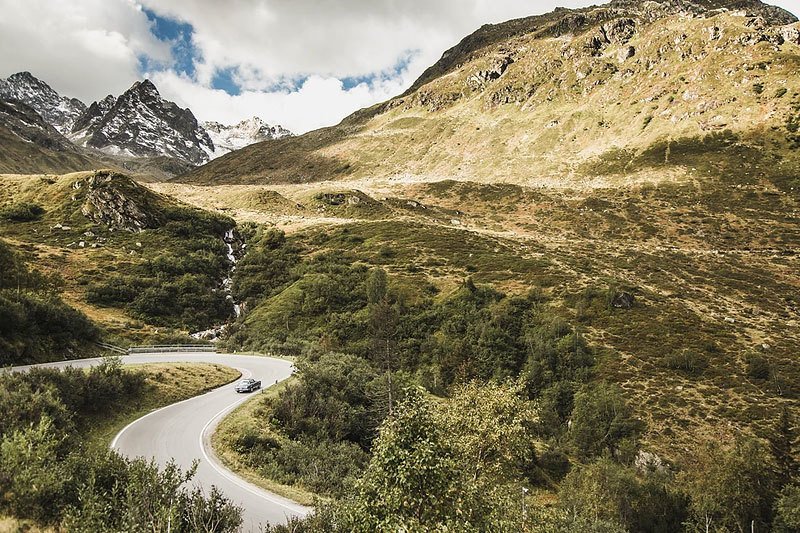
column 571, row 99
column 20, row 155
column 142, row 265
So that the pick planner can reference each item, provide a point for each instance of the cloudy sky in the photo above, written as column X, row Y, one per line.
column 299, row 63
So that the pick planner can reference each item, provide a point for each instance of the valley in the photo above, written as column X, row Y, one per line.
column 567, row 254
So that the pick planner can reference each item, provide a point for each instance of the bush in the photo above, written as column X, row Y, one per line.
column 687, row 361
column 610, row 492
column 787, row 510
column 22, row 212
column 757, row 366
column 602, row 421
column 36, row 328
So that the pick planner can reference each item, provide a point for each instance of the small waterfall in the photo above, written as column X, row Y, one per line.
column 227, row 283
column 214, row 333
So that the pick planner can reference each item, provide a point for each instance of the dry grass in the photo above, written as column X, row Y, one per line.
column 167, row 383
column 237, row 423
column 13, row 525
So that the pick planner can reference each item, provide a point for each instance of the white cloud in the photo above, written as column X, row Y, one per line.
column 86, row 49
column 90, row 48
column 319, row 100
column 272, row 42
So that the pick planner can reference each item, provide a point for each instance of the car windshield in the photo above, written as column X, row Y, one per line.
column 246, row 382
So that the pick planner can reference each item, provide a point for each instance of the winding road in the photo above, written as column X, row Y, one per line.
column 182, row 431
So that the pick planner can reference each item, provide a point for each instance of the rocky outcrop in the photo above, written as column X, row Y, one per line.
column 497, row 67
column 791, row 34
column 623, row 300
column 118, row 202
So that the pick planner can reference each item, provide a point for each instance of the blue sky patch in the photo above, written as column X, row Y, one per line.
column 223, row 79
column 179, row 34
column 392, row 72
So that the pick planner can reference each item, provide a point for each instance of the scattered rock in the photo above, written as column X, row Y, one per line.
column 730, row 320
column 82, row 244
column 648, row 462
column 626, row 53
column 757, row 23
column 790, row 34
column 623, row 300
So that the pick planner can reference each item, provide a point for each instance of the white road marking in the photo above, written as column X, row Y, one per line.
column 230, row 476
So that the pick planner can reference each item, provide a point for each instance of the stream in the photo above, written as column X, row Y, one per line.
column 214, row 333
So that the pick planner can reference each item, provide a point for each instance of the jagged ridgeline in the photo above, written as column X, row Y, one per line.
column 600, row 96
column 139, row 131
column 130, row 258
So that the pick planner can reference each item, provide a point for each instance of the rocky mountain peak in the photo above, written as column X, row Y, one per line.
column 59, row 111
column 142, row 124
column 245, row 133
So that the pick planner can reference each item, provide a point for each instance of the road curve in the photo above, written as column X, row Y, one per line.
column 182, row 432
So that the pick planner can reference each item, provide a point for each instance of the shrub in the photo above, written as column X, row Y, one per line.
column 602, row 420
column 687, row 361
column 22, row 212
column 757, row 366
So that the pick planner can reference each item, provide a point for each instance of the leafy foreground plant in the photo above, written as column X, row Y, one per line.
column 48, row 474
column 432, row 469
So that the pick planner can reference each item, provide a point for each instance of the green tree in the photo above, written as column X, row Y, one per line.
column 602, row 421
column 781, row 443
column 606, row 491
column 787, row 510
column 730, row 486
column 411, row 482
column 490, row 429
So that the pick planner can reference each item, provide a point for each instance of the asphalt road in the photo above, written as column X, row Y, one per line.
column 182, row 432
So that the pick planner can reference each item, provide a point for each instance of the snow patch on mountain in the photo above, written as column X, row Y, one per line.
column 142, row 124
column 58, row 111
column 229, row 138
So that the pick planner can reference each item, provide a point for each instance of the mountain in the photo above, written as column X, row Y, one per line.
column 59, row 111
column 142, row 124
column 31, row 145
column 229, row 138
column 137, row 131
column 566, row 98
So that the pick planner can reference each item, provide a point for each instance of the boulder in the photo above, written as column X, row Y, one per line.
column 790, row 34
column 623, row 300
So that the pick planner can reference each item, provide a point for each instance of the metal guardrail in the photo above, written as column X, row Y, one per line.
column 112, row 348
column 159, row 348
